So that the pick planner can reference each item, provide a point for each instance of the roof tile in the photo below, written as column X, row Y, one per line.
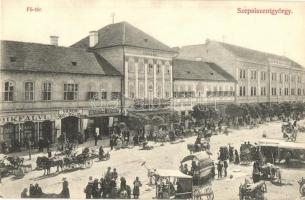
column 48, row 58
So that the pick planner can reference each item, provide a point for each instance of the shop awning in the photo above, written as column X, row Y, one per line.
column 171, row 173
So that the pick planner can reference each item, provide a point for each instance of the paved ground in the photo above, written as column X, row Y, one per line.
column 128, row 164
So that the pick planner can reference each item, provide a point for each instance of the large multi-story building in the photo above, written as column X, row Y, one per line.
column 144, row 62
column 262, row 77
column 197, row 82
column 48, row 90
column 119, row 70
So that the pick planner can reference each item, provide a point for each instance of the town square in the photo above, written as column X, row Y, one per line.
column 137, row 101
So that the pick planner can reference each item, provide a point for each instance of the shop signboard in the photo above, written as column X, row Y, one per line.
column 103, row 112
column 27, row 117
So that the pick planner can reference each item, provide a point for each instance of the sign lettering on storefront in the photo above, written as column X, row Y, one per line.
column 70, row 112
column 23, row 118
column 103, row 111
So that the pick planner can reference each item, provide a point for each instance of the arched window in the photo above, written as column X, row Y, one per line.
column 9, row 89
column 29, row 91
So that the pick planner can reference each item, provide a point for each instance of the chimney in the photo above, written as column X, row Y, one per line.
column 93, row 38
column 54, row 40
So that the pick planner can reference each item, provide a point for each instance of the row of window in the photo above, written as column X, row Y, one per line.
column 150, row 68
column 253, row 91
column 274, row 76
column 131, row 91
column 71, row 92
column 188, row 94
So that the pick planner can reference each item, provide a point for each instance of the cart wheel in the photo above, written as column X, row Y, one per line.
column 210, row 196
column 196, row 194
column 88, row 163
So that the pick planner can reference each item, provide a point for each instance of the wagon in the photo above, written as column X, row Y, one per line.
column 202, row 168
column 278, row 151
column 254, row 191
column 79, row 158
column 271, row 173
column 173, row 184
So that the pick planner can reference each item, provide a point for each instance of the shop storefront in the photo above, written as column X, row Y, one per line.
column 17, row 129
column 102, row 120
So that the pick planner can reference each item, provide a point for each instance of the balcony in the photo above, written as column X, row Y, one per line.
column 188, row 103
column 148, row 104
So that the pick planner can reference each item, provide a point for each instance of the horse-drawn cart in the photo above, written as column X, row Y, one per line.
column 254, row 191
column 289, row 132
column 173, row 184
column 13, row 165
column 80, row 158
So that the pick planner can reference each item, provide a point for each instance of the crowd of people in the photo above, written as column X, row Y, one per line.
column 107, row 187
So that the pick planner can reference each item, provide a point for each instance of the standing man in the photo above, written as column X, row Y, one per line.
column 65, row 193
column 219, row 169
column 88, row 189
column 225, row 166
column 95, row 138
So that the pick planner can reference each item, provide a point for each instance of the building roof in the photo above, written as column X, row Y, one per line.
column 35, row 57
column 123, row 33
column 198, row 70
column 260, row 56
column 199, row 50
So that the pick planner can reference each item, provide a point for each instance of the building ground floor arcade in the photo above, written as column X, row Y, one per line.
column 19, row 129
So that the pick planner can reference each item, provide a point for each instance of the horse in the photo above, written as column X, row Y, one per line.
column 46, row 163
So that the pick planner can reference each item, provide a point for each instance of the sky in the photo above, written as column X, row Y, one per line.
column 173, row 22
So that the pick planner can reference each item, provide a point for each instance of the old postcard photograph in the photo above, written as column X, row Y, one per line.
column 152, row 99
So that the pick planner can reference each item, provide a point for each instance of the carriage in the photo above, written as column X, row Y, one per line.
column 80, row 158
column 203, row 146
column 271, row 173
column 202, row 172
column 248, row 153
column 289, row 132
column 13, row 165
column 252, row 191
column 173, row 184
column 279, row 152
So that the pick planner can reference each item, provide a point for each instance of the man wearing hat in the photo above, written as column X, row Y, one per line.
column 88, row 189
column 65, row 193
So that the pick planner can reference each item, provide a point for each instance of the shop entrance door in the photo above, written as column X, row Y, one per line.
column 28, row 133
column 47, row 130
column 69, row 126
column 9, row 136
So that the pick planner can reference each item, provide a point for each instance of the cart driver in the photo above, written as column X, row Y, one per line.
column 101, row 152
column 185, row 169
column 198, row 143
column 194, row 167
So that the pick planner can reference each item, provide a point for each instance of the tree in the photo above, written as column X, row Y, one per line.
column 200, row 112
column 286, row 108
column 174, row 117
column 234, row 111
